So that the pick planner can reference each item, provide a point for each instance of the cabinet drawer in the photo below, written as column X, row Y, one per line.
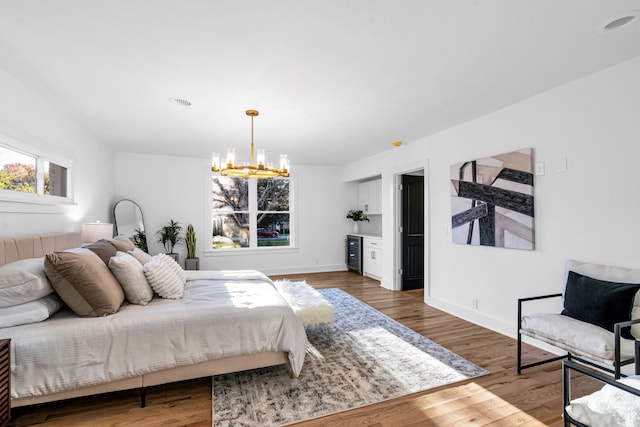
column 369, row 242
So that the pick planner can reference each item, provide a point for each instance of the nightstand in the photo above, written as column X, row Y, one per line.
column 5, row 382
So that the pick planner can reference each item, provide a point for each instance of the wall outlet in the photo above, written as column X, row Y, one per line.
column 474, row 303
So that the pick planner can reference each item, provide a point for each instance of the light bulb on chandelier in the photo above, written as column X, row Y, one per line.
column 258, row 168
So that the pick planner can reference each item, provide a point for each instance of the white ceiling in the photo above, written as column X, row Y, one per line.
column 334, row 80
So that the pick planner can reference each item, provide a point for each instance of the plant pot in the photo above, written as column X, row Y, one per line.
column 175, row 257
column 192, row 264
column 356, row 227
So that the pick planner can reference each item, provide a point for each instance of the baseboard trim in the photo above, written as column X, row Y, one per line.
column 474, row 316
column 304, row 269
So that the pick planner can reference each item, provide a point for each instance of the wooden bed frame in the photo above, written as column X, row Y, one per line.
column 36, row 246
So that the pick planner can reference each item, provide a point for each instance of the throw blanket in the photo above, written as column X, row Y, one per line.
column 608, row 406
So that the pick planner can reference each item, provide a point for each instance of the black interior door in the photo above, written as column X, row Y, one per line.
column 412, row 232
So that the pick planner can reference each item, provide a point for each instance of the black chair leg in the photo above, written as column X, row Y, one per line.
column 519, row 352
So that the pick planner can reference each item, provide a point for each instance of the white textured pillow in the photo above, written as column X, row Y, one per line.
column 140, row 255
column 130, row 274
column 23, row 281
column 30, row 312
column 163, row 279
column 608, row 407
column 171, row 263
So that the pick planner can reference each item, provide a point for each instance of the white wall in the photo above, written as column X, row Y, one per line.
column 589, row 212
column 28, row 118
column 175, row 188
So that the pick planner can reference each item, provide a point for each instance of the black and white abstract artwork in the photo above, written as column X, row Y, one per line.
column 492, row 201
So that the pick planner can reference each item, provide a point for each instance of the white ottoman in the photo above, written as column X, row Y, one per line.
column 308, row 304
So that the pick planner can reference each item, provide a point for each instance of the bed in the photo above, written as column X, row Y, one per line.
column 225, row 321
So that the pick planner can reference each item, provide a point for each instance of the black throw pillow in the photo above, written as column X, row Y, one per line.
column 599, row 302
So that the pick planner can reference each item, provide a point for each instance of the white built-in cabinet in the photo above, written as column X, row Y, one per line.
column 369, row 195
column 372, row 254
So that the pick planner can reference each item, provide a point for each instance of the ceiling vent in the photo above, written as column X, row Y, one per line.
column 180, row 101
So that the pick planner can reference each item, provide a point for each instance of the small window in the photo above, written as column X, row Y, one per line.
column 230, row 219
column 18, row 171
column 55, row 179
column 273, row 212
column 22, row 173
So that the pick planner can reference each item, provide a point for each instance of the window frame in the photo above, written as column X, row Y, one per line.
column 253, row 212
column 37, row 198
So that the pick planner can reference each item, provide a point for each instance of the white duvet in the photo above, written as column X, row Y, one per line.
column 236, row 313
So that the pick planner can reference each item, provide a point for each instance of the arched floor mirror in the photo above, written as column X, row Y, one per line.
column 129, row 222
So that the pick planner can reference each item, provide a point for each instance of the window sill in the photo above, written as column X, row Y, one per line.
column 250, row 251
column 35, row 204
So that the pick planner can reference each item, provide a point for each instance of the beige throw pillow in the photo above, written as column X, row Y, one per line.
column 84, row 282
column 140, row 255
column 163, row 279
column 104, row 249
column 122, row 243
column 130, row 274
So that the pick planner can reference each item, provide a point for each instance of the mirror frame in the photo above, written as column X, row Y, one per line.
column 138, row 221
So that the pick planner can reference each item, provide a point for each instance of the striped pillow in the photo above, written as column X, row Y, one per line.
column 163, row 278
column 173, row 265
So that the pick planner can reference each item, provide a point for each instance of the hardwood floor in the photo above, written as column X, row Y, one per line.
column 501, row 398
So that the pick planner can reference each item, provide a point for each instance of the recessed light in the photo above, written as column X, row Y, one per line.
column 396, row 143
column 180, row 101
column 619, row 21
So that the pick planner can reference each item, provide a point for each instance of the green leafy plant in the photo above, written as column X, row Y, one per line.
column 140, row 239
column 357, row 215
column 170, row 235
column 190, row 240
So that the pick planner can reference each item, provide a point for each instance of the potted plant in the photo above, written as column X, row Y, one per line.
column 192, row 262
column 170, row 237
column 140, row 240
column 356, row 216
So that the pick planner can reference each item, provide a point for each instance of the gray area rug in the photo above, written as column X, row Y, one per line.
column 365, row 357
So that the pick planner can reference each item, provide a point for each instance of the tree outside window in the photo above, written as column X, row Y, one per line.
column 24, row 173
column 250, row 213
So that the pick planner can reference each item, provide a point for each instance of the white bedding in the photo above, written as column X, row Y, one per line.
column 237, row 313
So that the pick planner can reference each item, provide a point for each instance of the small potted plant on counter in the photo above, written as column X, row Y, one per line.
column 356, row 216
column 191, row 263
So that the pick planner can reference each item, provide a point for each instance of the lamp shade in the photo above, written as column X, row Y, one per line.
column 95, row 231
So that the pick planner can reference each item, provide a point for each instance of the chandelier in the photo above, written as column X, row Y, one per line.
column 255, row 169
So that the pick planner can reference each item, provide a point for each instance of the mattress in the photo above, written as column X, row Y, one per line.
column 221, row 314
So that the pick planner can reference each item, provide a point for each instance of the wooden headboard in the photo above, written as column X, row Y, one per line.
column 36, row 246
